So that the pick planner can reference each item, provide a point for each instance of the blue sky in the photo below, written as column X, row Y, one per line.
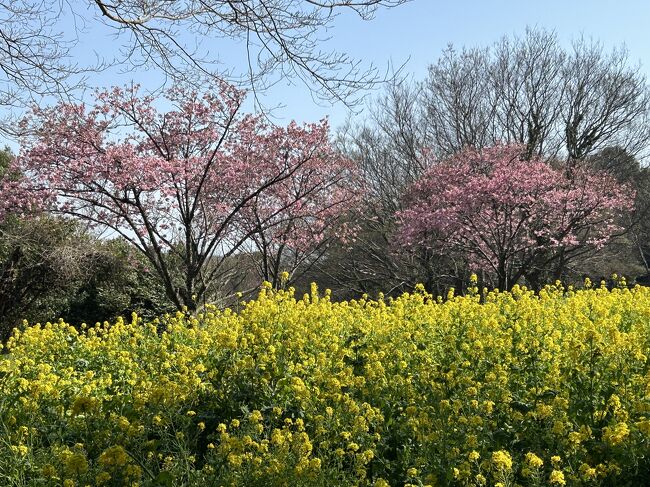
column 417, row 32
column 423, row 28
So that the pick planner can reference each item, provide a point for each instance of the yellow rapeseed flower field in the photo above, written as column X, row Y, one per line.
column 492, row 388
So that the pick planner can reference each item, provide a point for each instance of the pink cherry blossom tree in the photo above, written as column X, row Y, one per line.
column 180, row 184
column 509, row 217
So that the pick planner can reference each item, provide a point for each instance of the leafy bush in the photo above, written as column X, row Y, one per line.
column 511, row 388
column 119, row 282
column 51, row 267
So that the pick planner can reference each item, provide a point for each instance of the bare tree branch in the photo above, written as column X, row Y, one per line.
column 182, row 40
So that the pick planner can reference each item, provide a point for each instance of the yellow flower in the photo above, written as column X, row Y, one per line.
column 340, row 375
column 353, row 446
column 502, row 460
column 256, row 416
column 557, row 477
column 82, row 405
column 587, row 472
column 76, row 464
column 22, row 450
column 114, row 456
column 617, row 434
column 533, row 460
column 235, row 460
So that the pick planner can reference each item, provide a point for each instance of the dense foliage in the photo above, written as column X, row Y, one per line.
column 51, row 267
column 484, row 389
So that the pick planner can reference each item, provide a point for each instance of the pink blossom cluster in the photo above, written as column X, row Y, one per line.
column 200, row 173
column 16, row 197
column 501, row 211
column 303, row 209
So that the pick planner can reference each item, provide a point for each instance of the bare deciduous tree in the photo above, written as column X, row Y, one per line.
column 605, row 103
column 390, row 157
column 530, row 90
column 457, row 101
column 279, row 37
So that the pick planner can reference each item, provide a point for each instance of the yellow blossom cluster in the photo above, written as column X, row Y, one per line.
column 502, row 388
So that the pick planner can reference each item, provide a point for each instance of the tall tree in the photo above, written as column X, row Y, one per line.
column 179, row 185
column 513, row 218
column 530, row 90
column 559, row 102
column 389, row 162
